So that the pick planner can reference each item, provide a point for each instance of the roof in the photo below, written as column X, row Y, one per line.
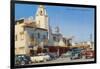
column 33, row 25
column 42, row 29
column 19, row 21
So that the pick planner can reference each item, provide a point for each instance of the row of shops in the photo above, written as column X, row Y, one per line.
column 58, row 50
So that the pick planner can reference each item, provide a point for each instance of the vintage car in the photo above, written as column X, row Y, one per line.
column 22, row 59
column 67, row 54
column 75, row 53
column 53, row 56
column 41, row 57
column 89, row 54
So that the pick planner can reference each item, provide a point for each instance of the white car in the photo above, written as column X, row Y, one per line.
column 41, row 57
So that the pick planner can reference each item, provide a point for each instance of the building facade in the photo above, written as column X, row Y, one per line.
column 31, row 34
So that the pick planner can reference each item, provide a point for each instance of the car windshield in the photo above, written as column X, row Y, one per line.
column 20, row 57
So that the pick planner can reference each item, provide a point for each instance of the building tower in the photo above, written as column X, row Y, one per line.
column 41, row 17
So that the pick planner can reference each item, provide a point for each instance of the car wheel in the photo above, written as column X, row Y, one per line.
column 17, row 63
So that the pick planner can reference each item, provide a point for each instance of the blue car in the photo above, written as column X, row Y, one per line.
column 75, row 53
column 22, row 60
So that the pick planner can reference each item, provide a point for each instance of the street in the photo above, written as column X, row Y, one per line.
column 64, row 60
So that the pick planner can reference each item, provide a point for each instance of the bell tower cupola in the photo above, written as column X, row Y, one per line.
column 41, row 17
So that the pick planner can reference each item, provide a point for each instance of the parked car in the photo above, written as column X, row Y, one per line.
column 41, row 57
column 67, row 54
column 76, row 53
column 53, row 56
column 22, row 59
column 45, row 56
column 88, row 53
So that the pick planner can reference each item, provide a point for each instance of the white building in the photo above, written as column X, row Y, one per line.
column 29, row 34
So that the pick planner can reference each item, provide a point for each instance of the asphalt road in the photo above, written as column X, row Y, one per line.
column 64, row 60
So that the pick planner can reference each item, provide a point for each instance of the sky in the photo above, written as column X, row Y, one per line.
column 72, row 21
